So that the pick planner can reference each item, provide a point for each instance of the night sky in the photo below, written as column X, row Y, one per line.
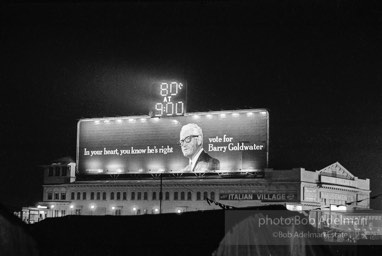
column 315, row 65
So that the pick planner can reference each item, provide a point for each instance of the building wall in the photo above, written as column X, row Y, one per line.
column 297, row 189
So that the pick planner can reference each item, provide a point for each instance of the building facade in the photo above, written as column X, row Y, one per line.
column 297, row 189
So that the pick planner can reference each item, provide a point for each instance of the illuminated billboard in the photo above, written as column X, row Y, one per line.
column 201, row 144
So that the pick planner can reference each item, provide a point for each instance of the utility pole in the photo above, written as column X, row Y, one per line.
column 160, row 195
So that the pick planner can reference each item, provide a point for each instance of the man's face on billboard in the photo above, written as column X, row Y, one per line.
column 189, row 140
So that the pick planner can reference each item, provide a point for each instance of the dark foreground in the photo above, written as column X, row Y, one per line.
column 196, row 233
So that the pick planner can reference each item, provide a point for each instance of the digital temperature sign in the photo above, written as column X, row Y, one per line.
column 169, row 99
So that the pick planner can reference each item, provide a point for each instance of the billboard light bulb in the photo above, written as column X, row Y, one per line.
column 209, row 116
column 250, row 114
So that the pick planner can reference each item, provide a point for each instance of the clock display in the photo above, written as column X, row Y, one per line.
column 170, row 99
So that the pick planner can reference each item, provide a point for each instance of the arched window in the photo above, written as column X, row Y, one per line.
column 212, row 196
column 198, row 195
column 182, row 195
column 167, row 196
column 103, row 195
column 189, row 196
column 118, row 195
column 112, row 196
column 205, row 195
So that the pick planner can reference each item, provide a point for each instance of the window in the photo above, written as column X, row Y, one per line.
column 198, row 196
column 72, row 196
column 83, row 195
column 64, row 171
column 118, row 195
column 57, row 171
column 63, row 213
column 132, row 195
column 56, row 213
column 78, row 212
column 145, row 196
column 154, row 195
column 205, row 195
column 50, row 171
column 118, row 212
column 124, row 196
column 63, row 196
column 160, row 195
column 175, row 195
column 182, row 195
column 103, row 195
column 78, row 196
column 92, row 196
column 212, row 196
column 139, row 196
column 167, row 196
column 189, row 196
column 112, row 196
column 50, row 196
column 98, row 195
column 56, row 196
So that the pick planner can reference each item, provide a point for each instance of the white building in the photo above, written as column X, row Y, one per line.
column 297, row 189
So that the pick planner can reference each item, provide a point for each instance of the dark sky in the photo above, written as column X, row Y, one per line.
column 316, row 65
